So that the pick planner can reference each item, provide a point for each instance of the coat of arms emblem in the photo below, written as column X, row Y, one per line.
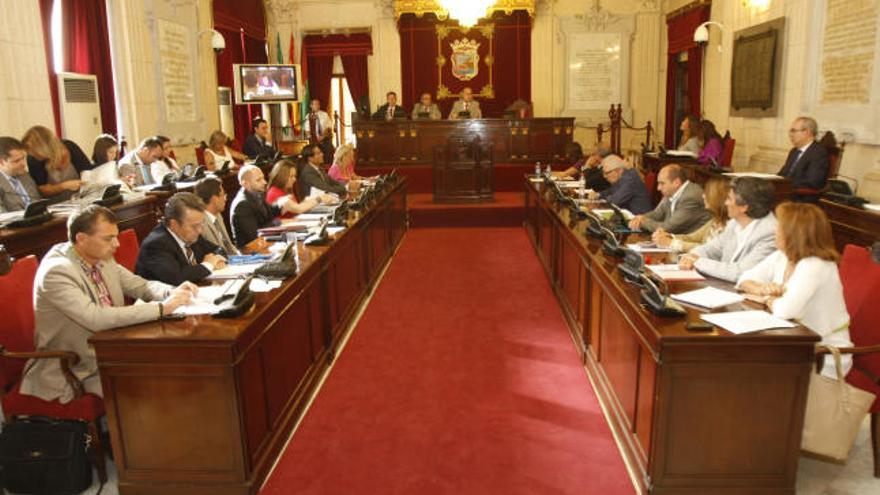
column 465, row 59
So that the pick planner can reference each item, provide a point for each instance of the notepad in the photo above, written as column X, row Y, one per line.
column 709, row 297
column 672, row 273
column 746, row 321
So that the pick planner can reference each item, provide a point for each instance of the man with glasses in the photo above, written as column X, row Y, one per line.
column 807, row 164
column 627, row 190
column 17, row 188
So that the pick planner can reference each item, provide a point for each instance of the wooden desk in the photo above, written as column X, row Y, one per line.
column 697, row 413
column 139, row 215
column 412, row 142
column 204, row 406
column 463, row 172
column 851, row 225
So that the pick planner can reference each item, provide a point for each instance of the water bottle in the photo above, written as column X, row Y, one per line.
column 537, row 169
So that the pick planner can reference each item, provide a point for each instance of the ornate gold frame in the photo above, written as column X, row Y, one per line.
column 422, row 7
column 488, row 32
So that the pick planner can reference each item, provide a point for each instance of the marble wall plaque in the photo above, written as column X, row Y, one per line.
column 177, row 87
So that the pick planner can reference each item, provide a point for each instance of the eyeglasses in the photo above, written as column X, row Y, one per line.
column 792, row 131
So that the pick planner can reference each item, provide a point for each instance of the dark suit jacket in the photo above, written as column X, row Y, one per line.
column 160, row 258
column 248, row 214
column 811, row 171
column 309, row 177
column 629, row 192
column 254, row 148
column 399, row 112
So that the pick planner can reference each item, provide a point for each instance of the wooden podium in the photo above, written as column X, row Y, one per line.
column 463, row 171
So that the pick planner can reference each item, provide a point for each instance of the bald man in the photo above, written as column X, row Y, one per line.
column 681, row 211
column 468, row 104
column 249, row 211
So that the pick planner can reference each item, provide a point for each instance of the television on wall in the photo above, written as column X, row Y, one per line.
column 266, row 83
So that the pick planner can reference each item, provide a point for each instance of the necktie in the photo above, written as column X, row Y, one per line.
column 318, row 126
column 223, row 237
column 190, row 255
column 145, row 171
column 20, row 190
column 794, row 163
column 390, row 114
column 103, row 293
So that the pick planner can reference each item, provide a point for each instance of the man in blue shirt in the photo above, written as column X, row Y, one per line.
column 17, row 188
column 627, row 190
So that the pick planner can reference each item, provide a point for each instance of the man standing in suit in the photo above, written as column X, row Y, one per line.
column 312, row 174
column 250, row 212
column 319, row 129
column 426, row 109
column 17, row 188
column 748, row 238
column 134, row 168
column 807, row 164
column 466, row 104
column 210, row 191
column 79, row 289
column 175, row 252
column 390, row 110
column 627, row 189
column 681, row 211
column 259, row 143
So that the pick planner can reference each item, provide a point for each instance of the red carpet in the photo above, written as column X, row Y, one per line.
column 508, row 176
column 507, row 210
column 460, row 378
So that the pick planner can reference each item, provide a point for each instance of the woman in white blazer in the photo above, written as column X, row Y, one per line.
column 800, row 281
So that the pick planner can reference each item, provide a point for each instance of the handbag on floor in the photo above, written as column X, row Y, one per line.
column 45, row 456
column 835, row 411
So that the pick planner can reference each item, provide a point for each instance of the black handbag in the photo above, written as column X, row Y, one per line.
column 44, row 456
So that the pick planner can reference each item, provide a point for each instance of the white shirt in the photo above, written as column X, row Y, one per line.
column 675, row 197
column 219, row 159
column 323, row 122
column 813, row 296
column 182, row 245
column 159, row 169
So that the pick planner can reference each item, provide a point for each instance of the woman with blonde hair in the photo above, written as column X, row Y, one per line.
column 714, row 194
column 217, row 153
column 799, row 281
column 282, row 180
column 49, row 163
column 342, row 170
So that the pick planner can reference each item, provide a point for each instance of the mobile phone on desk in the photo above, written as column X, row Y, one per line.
column 699, row 326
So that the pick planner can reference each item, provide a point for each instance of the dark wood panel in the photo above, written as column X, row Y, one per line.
column 645, row 401
column 852, row 225
column 620, row 356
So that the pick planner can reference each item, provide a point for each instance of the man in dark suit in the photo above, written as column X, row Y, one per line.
column 17, row 188
column 175, row 252
column 312, row 174
column 390, row 110
column 259, row 143
column 249, row 212
column 627, row 190
column 807, row 164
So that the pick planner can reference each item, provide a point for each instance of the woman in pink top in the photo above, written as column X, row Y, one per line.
column 710, row 144
column 342, row 170
column 282, row 178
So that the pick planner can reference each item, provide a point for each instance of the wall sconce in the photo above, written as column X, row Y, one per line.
column 759, row 5
column 701, row 34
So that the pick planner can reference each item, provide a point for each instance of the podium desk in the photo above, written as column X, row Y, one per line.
column 412, row 142
column 139, row 214
column 851, row 225
column 204, row 406
column 695, row 412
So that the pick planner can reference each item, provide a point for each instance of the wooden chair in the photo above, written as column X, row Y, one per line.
column 860, row 275
column 728, row 144
column 200, row 153
column 835, row 156
column 127, row 253
column 17, row 346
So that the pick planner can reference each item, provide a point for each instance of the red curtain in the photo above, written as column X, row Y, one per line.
column 355, row 67
column 46, row 17
column 681, row 38
column 87, row 50
column 511, row 70
column 243, row 25
column 353, row 49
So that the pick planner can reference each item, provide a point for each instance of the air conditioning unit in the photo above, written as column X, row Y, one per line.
column 80, row 108
column 227, row 124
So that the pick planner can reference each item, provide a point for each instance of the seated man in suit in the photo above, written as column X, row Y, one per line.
column 627, row 189
column 426, row 109
column 259, row 143
column 748, row 238
column 466, row 104
column 312, row 174
column 390, row 110
column 210, row 191
column 250, row 212
column 79, row 290
column 17, row 188
column 322, row 132
column 175, row 251
column 134, row 167
column 807, row 164
column 681, row 211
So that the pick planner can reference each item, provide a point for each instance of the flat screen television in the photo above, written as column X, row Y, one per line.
column 266, row 83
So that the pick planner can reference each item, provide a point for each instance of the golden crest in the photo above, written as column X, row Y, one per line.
column 465, row 59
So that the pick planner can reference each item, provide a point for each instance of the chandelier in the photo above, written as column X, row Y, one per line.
column 467, row 12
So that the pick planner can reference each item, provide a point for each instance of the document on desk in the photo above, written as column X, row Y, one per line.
column 570, row 183
column 709, row 297
column 203, row 302
column 672, row 273
column 686, row 153
column 234, row 271
column 311, row 216
column 607, row 213
column 647, row 247
column 757, row 175
column 746, row 321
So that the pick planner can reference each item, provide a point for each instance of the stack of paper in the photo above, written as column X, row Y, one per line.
column 709, row 297
column 746, row 321
column 647, row 247
column 233, row 271
column 872, row 207
column 681, row 153
column 757, row 175
column 673, row 273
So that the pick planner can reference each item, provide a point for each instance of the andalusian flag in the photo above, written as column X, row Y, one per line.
column 304, row 98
